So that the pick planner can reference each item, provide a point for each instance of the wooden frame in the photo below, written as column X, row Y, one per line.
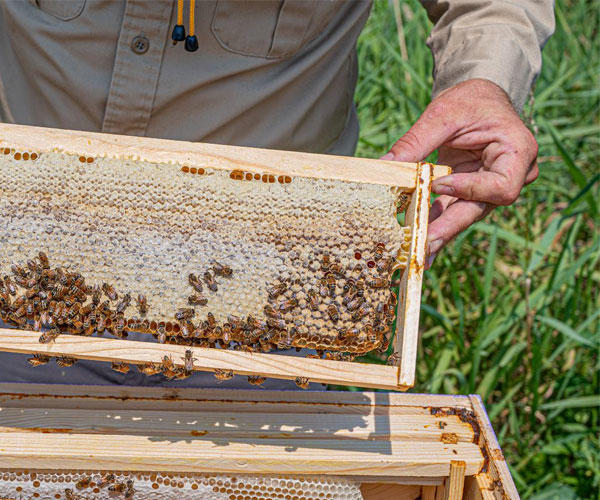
column 413, row 177
column 398, row 446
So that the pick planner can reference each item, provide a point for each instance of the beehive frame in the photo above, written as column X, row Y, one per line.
column 413, row 178
column 398, row 446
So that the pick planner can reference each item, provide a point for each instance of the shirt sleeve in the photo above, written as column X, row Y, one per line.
column 497, row 40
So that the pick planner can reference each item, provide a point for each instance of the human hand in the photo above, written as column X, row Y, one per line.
column 492, row 154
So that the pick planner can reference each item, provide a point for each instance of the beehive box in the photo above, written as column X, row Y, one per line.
column 281, row 250
column 236, row 445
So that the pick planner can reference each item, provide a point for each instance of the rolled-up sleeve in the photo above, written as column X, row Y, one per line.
column 496, row 40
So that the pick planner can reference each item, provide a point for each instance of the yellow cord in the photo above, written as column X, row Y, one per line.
column 192, row 8
column 180, row 12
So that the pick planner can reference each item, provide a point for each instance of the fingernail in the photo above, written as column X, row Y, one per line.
column 387, row 156
column 439, row 188
column 433, row 247
column 430, row 260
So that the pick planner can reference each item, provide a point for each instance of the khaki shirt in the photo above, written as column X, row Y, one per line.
column 277, row 74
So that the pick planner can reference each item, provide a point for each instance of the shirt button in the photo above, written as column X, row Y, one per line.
column 140, row 44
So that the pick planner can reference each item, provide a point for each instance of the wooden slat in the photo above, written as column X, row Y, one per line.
column 456, row 482
column 236, row 425
column 270, row 365
column 497, row 469
column 269, row 456
column 381, row 491
column 428, row 492
column 196, row 154
column 409, row 303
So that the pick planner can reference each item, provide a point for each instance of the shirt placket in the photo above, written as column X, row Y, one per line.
column 142, row 42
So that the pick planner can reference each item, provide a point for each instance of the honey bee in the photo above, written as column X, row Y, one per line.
column 167, row 363
column 21, row 311
column 119, row 325
column 379, row 248
column 101, row 324
column 49, row 336
column 278, row 324
column 378, row 283
column 354, row 304
column 256, row 379
column 287, row 305
column 105, row 480
column 313, row 301
column 394, row 359
column 222, row 374
column 142, row 304
column 120, row 367
column 18, row 271
column 333, row 313
column 302, row 382
column 361, row 312
column 38, row 360
column 323, row 290
column 195, row 283
column 384, row 346
column 43, row 258
column 221, row 269
column 210, row 319
column 10, row 286
column 84, row 482
column 150, row 368
column 186, row 328
column 161, row 335
column 271, row 312
column 360, row 287
column 210, row 281
column 345, row 334
column 385, row 264
column 109, row 291
column 129, row 493
column 276, row 290
column 325, row 261
column 184, row 314
column 336, row 268
column 70, row 495
column 189, row 360
column 330, row 283
column 120, row 487
column 65, row 361
column 124, row 304
column 197, row 300
column 96, row 295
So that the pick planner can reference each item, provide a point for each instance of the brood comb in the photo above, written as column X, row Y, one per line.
column 210, row 246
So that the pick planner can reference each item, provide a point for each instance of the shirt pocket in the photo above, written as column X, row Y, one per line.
column 270, row 29
column 65, row 10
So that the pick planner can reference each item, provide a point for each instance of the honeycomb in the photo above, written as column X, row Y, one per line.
column 198, row 256
column 90, row 485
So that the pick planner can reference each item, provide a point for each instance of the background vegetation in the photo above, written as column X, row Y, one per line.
column 511, row 310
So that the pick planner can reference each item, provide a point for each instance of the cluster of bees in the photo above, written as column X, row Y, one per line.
column 107, row 480
column 56, row 300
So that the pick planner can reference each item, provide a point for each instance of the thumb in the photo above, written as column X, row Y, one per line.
column 428, row 133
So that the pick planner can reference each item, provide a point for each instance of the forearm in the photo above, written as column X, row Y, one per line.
column 496, row 40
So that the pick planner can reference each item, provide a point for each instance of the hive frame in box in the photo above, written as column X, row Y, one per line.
column 398, row 446
column 410, row 177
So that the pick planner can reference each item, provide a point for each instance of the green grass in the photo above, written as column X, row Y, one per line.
column 511, row 310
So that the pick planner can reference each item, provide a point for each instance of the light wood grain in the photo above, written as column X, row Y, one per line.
column 409, row 303
column 379, row 491
column 265, row 456
column 498, row 468
column 196, row 154
column 235, row 425
column 456, row 482
column 269, row 365
column 428, row 492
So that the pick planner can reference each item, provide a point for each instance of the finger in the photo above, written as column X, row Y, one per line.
column 456, row 218
column 497, row 188
column 438, row 206
column 429, row 132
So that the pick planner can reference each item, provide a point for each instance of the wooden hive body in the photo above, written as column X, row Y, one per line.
column 361, row 445
column 142, row 214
